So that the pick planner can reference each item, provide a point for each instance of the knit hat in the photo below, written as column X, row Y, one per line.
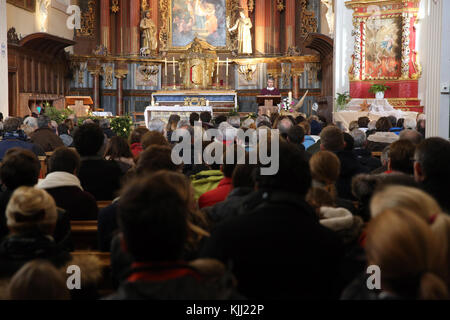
column 30, row 207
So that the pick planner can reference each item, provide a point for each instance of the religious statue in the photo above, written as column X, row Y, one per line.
column 329, row 15
column 43, row 13
column 243, row 26
column 149, row 42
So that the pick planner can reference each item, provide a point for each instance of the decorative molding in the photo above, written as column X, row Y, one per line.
column 12, row 36
column 115, row 6
column 29, row 5
column 280, row 5
column 307, row 19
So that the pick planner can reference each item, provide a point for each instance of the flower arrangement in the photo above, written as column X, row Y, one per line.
column 57, row 115
column 122, row 125
column 286, row 106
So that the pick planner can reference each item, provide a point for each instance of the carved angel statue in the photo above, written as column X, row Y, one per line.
column 329, row 15
column 149, row 31
column 243, row 26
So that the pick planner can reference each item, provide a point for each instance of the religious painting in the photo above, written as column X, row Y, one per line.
column 383, row 48
column 204, row 19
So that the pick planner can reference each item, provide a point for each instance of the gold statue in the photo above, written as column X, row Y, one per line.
column 243, row 25
column 149, row 42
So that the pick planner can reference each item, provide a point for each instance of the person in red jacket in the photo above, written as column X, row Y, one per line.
column 221, row 192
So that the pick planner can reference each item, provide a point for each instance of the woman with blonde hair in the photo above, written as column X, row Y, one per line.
column 425, row 207
column 407, row 252
column 325, row 168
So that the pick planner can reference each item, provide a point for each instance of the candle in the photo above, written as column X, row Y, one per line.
column 165, row 67
column 227, row 67
column 174, row 68
column 218, row 67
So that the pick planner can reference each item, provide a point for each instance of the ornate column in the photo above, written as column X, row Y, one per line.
column 4, row 102
column 120, row 74
column 105, row 24
column 296, row 71
column 135, row 9
column 289, row 24
column 95, row 69
column 260, row 26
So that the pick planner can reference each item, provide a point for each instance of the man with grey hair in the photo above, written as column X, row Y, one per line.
column 14, row 137
column 235, row 121
column 413, row 136
column 410, row 124
column 284, row 125
column 263, row 121
column 156, row 125
column 363, row 155
column 105, row 124
column 44, row 135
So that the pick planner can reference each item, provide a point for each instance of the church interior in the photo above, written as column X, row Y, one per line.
column 348, row 81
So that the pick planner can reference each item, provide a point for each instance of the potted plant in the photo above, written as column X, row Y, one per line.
column 378, row 90
column 342, row 100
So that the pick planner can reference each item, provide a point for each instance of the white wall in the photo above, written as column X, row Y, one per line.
column 27, row 22
column 444, row 108
column 3, row 60
column 343, row 46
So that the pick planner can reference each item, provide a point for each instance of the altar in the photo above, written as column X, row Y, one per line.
column 164, row 112
column 375, row 109
column 219, row 100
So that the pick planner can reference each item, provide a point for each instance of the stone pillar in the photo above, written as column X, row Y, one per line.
column 289, row 24
column 135, row 19
column 260, row 26
column 105, row 24
column 4, row 103
column 343, row 47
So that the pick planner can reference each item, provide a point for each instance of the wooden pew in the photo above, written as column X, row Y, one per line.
column 103, row 204
column 376, row 154
column 105, row 285
column 84, row 234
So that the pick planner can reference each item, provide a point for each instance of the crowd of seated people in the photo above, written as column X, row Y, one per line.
column 339, row 203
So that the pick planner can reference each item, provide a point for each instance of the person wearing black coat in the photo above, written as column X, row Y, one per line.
column 332, row 139
column 21, row 167
column 64, row 186
column 276, row 246
column 99, row 177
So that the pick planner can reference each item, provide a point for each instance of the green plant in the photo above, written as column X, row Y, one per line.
column 233, row 113
column 122, row 125
column 378, row 88
column 57, row 115
column 342, row 99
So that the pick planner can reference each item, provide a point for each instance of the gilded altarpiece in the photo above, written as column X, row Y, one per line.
column 384, row 52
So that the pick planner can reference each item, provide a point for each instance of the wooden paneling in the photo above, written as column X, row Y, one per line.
column 41, row 69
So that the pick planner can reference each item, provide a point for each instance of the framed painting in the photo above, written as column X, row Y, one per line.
column 184, row 20
column 383, row 48
column 29, row 5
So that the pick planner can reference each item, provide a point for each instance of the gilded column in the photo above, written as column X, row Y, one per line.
column 276, row 28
